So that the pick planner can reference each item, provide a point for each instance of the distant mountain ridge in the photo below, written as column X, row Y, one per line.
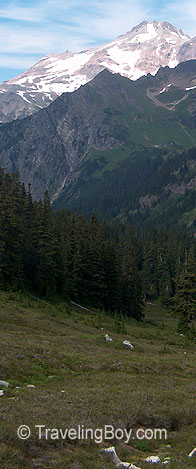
column 143, row 50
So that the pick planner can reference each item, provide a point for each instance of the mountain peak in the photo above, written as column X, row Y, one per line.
column 147, row 47
column 159, row 27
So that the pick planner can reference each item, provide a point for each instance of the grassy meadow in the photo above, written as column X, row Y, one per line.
column 57, row 348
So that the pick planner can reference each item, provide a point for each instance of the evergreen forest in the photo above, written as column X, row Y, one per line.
column 107, row 265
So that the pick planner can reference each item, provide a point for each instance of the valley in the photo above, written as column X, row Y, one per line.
column 98, row 255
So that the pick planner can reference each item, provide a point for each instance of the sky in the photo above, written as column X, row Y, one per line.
column 31, row 29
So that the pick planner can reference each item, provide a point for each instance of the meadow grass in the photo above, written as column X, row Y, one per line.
column 56, row 348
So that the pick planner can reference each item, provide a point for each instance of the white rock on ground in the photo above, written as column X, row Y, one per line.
column 192, row 453
column 153, row 459
column 127, row 465
column 4, row 383
column 128, row 344
column 1, row 392
column 30, row 386
column 119, row 464
column 108, row 338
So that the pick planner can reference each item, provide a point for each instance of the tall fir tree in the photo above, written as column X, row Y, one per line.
column 184, row 300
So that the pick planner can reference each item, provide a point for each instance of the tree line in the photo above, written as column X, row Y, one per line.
column 103, row 264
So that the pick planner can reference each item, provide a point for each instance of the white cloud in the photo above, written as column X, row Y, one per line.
column 182, row 14
column 19, row 13
column 64, row 24
column 114, row 17
column 32, row 40
column 17, row 62
column 46, row 10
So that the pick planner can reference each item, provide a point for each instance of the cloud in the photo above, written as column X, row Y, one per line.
column 182, row 14
column 114, row 18
column 17, row 61
column 20, row 13
column 31, row 40
column 61, row 24
column 41, row 11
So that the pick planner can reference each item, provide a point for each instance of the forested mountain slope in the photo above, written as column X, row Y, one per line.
column 109, row 146
column 148, row 188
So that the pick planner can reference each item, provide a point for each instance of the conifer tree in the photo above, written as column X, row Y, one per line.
column 45, row 249
column 12, row 231
column 131, row 303
column 184, row 300
column 95, row 274
column 165, row 286
column 111, row 300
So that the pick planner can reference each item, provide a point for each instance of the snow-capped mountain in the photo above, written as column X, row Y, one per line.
column 140, row 51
